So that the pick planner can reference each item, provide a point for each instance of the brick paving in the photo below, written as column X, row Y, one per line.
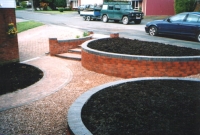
column 33, row 50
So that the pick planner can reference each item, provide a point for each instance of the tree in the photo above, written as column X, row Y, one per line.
column 60, row 3
column 184, row 5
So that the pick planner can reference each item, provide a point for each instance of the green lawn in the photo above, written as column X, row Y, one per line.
column 56, row 12
column 23, row 26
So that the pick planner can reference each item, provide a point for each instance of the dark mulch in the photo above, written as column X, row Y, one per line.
column 153, row 107
column 136, row 47
column 15, row 76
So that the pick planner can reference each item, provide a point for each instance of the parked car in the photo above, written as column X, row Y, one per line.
column 184, row 24
column 81, row 8
column 120, row 11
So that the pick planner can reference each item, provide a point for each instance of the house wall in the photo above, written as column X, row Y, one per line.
column 8, row 45
column 159, row 7
column 84, row 2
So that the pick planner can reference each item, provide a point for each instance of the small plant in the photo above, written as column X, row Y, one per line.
column 12, row 31
column 77, row 36
column 61, row 9
column 85, row 34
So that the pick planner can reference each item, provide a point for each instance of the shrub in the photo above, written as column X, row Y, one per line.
column 184, row 5
column 60, row 3
column 85, row 34
column 44, row 5
column 23, row 4
column 61, row 9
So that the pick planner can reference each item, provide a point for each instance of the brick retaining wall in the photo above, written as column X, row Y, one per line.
column 129, row 66
column 8, row 46
column 62, row 46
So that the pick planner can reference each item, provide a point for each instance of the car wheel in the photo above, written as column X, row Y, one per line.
column 153, row 31
column 137, row 21
column 105, row 18
column 125, row 20
column 198, row 37
column 88, row 18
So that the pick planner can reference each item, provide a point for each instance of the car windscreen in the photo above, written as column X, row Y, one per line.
column 128, row 7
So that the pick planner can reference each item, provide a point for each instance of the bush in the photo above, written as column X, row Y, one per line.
column 60, row 3
column 23, row 4
column 85, row 34
column 184, row 6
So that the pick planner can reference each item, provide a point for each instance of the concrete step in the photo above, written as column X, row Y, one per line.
column 70, row 56
column 75, row 50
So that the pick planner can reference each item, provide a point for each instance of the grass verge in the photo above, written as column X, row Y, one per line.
column 23, row 26
column 56, row 12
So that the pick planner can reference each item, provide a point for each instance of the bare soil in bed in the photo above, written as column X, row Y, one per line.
column 137, row 47
column 15, row 76
column 145, row 108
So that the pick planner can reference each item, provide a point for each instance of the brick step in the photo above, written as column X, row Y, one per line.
column 73, row 56
column 75, row 50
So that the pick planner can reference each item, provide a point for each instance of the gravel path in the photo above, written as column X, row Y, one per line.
column 48, row 116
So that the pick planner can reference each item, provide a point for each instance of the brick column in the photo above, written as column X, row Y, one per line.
column 9, row 51
column 114, row 35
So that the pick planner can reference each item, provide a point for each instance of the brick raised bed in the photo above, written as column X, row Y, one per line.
column 129, row 66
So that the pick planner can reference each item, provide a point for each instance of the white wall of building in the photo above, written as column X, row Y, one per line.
column 84, row 2
column 7, row 4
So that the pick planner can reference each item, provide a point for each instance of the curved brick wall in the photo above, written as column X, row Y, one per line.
column 129, row 66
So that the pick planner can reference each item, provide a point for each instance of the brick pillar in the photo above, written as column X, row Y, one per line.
column 114, row 35
column 9, row 51
column 90, row 32
column 53, row 43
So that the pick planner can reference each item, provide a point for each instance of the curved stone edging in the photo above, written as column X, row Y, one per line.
column 74, row 119
column 129, row 66
column 50, row 83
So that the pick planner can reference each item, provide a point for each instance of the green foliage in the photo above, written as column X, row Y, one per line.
column 22, row 26
column 46, row 1
column 61, row 9
column 60, row 3
column 184, row 5
column 23, row 4
column 85, row 34
column 77, row 36
column 19, row 8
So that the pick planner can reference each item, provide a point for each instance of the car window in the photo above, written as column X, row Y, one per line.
column 179, row 17
column 105, row 7
column 117, row 7
column 126, row 7
column 110, row 7
column 192, row 18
